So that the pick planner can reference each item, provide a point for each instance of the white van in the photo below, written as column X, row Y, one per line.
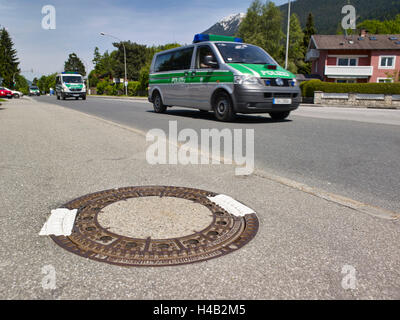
column 224, row 75
column 70, row 84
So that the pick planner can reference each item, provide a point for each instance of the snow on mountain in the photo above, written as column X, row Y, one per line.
column 228, row 26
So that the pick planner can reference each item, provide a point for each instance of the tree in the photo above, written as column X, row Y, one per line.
column 8, row 59
column 309, row 30
column 74, row 64
column 381, row 27
column 262, row 26
column 96, row 57
column 296, row 45
column 21, row 84
column 135, row 59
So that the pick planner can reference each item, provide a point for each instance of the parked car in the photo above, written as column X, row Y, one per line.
column 4, row 93
column 15, row 93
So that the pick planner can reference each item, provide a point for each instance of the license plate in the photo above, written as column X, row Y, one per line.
column 76, row 95
column 282, row 101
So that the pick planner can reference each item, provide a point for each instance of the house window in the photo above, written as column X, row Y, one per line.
column 385, row 80
column 345, row 81
column 347, row 62
column 387, row 62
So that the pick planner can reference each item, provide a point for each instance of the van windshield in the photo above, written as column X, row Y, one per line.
column 34, row 88
column 72, row 79
column 243, row 53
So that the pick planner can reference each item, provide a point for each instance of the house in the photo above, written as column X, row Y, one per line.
column 356, row 58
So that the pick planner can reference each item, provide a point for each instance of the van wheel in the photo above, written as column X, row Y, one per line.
column 279, row 116
column 224, row 108
column 58, row 97
column 158, row 105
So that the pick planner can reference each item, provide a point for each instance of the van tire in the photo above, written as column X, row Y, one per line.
column 158, row 104
column 58, row 97
column 279, row 116
column 223, row 107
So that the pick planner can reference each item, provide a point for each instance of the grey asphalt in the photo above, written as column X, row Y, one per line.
column 350, row 152
column 50, row 155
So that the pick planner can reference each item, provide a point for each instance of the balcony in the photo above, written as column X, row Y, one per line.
column 312, row 55
column 349, row 71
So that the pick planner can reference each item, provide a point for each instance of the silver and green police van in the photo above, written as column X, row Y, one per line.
column 224, row 75
column 70, row 85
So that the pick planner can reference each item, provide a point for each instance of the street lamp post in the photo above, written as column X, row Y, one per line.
column 287, row 37
column 126, row 78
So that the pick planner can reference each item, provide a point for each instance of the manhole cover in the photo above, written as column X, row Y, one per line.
column 154, row 226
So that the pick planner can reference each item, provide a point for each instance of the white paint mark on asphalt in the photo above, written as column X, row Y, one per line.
column 231, row 205
column 60, row 222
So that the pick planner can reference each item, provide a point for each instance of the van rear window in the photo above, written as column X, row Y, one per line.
column 176, row 60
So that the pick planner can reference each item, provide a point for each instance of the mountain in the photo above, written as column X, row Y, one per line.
column 228, row 26
column 327, row 14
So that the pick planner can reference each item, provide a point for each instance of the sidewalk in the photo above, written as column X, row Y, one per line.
column 51, row 155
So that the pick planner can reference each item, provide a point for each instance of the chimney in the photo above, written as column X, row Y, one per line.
column 363, row 33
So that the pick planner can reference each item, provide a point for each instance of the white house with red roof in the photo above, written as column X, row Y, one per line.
column 356, row 58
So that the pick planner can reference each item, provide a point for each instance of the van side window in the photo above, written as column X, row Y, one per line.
column 176, row 60
column 202, row 52
column 163, row 62
column 182, row 59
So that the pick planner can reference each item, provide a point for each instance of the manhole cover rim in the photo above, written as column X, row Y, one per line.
column 245, row 231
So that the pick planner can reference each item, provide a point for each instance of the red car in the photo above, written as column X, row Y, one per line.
column 4, row 93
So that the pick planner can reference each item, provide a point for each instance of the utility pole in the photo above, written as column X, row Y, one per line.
column 287, row 37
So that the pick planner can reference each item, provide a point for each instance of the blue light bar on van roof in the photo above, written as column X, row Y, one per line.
column 201, row 37
column 70, row 72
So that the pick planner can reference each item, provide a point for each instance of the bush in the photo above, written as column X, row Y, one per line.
column 111, row 90
column 308, row 88
column 101, row 86
column 133, row 88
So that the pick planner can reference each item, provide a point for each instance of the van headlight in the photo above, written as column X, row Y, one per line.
column 246, row 79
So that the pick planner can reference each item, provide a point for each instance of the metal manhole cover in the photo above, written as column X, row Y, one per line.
column 222, row 234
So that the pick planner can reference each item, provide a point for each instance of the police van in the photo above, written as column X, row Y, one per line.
column 70, row 84
column 224, row 75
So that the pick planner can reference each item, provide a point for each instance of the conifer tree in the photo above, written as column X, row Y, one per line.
column 8, row 59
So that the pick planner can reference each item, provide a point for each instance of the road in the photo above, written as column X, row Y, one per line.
column 350, row 152
column 305, row 248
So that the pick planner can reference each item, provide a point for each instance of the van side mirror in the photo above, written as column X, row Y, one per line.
column 210, row 61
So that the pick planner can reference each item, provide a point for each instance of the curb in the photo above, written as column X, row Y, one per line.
column 118, row 97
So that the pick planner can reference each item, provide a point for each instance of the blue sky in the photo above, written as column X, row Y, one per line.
column 78, row 24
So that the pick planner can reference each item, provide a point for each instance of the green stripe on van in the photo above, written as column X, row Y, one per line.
column 199, row 77
column 263, row 71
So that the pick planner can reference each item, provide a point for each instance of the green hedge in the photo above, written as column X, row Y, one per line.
column 112, row 89
column 308, row 88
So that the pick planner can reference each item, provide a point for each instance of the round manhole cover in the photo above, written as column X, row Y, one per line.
column 154, row 226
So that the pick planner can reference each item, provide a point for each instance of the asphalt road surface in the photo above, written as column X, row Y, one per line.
column 350, row 152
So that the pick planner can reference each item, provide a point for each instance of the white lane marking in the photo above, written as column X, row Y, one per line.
column 60, row 222
column 231, row 205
